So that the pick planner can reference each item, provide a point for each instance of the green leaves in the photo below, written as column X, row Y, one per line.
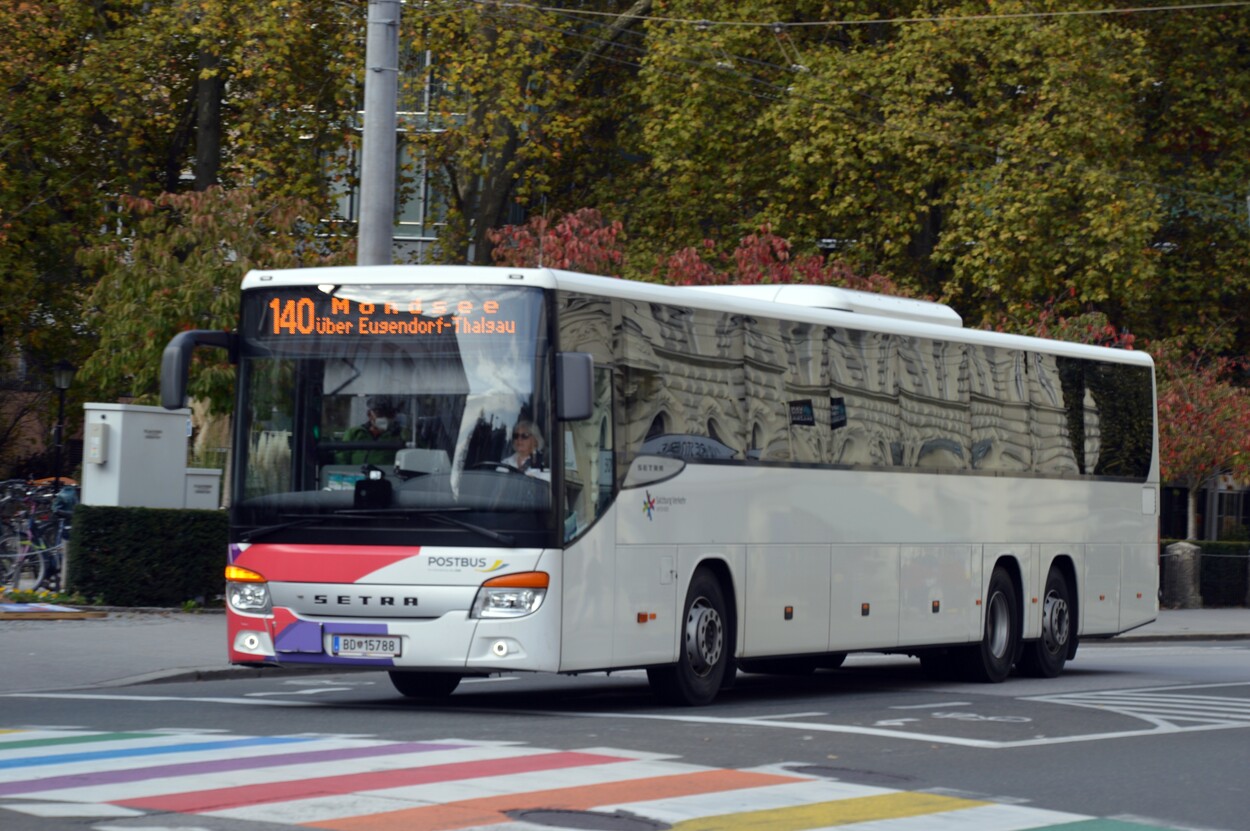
column 997, row 163
column 179, row 268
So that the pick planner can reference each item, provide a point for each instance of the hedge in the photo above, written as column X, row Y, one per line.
column 147, row 556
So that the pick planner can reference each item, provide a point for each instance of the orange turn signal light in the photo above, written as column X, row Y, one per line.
column 238, row 574
column 521, row 580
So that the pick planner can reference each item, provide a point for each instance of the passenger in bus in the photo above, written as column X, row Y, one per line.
column 527, row 451
column 382, row 426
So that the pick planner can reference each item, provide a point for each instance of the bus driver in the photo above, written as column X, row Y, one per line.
column 527, row 451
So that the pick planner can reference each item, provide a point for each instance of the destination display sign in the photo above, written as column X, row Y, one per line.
column 294, row 313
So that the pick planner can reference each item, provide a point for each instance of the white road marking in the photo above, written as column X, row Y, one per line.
column 313, row 691
column 102, row 697
column 1119, row 701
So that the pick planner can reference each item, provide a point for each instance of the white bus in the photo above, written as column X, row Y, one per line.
column 756, row 478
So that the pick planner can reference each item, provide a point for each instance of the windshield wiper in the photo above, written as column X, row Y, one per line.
column 265, row 530
column 438, row 515
column 299, row 519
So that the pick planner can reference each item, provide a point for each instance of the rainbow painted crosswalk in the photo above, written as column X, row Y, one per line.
column 352, row 783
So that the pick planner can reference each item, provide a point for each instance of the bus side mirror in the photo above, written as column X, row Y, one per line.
column 176, row 362
column 575, row 386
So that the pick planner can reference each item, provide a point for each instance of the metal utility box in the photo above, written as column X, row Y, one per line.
column 140, row 456
column 203, row 488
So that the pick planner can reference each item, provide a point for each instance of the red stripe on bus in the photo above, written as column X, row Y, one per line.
column 321, row 563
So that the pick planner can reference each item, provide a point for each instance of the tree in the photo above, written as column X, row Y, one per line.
column 180, row 268
column 513, row 94
column 764, row 257
column 1204, row 422
column 578, row 241
column 85, row 130
column 984, row 160
column 584, row 241
column 1196, row 148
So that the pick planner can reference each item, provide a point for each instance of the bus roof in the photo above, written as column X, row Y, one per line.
column 817, row 304
column 845, row 300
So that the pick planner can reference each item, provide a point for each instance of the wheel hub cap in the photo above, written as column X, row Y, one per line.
column 1055, row 623
column 705, row 637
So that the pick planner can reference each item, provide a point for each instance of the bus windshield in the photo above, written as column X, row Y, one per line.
column 394, row 415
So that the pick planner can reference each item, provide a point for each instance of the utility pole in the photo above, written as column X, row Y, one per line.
column 377, row 158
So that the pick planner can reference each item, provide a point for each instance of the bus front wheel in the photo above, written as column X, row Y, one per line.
column 424, row 684
column 705, row 652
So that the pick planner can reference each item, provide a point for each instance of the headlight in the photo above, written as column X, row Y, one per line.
column 514, row 595
column 251, row 598
column 247, row 591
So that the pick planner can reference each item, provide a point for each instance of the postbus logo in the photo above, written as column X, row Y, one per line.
column 459, row 563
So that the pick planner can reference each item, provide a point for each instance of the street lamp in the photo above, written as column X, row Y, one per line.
column 62, row 377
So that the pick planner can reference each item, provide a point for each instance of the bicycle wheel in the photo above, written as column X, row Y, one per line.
column 8, row 561
column 29, row 570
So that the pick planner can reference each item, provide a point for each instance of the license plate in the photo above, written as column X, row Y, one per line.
column 365, row 646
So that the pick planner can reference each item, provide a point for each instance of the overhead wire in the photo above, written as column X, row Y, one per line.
column 973, row 18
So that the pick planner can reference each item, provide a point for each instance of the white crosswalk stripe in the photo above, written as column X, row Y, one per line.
column 1185, row 707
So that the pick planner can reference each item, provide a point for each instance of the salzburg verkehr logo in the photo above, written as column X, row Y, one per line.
column 648, row 505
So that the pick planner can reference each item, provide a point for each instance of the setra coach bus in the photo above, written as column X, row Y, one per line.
column 452, row 471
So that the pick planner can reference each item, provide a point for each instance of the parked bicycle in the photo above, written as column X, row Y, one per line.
column 34, row 527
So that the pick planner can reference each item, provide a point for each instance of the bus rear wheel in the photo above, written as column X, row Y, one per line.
column 990, row 660
column 705, row 652
column 1045, row 657
column 424, row 684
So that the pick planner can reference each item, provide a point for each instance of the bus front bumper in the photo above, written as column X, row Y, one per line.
column 453, row 641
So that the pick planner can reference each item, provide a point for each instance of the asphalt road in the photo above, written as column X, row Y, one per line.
column 1134, row 735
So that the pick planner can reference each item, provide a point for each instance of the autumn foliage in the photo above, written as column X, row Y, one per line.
column 764, row 257
column 577, row 241
column 584, row 241
column 1204, row 421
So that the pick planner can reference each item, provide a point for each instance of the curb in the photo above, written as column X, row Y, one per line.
column 221, row 673
column 1179, row 636
column 53, row 611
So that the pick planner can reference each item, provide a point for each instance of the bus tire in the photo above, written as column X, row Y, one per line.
column 705, row 653
column 424, row 684
column 1045, row 657
column 990, row 661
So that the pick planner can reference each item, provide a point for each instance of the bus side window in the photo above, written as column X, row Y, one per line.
column 588, row 462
